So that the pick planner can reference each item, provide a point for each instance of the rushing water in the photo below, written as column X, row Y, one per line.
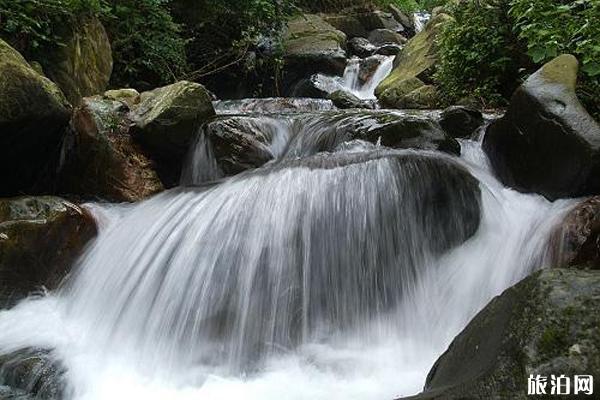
column 353, row 81
column 331, row 276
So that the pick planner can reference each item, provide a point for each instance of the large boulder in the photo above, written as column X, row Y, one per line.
column 380, row 20
column 83, row 66
column 100, row 157
column 547, row 142
column 407, row 20
column 417, row 60
column 311, row 46
column 167, row 119
column 361, row 47
column 546, row 325
column 576, row 242
column 40, row 238
column 380, row 37
column 33, row 116
column 347, row 23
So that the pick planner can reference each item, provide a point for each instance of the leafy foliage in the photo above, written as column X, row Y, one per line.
column 494, row 45
column 147, row 45
column 34, row 25
column 477, row 54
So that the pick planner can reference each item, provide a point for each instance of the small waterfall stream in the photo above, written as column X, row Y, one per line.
column 354, row 81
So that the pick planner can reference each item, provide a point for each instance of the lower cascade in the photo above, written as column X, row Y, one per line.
column 338, row 272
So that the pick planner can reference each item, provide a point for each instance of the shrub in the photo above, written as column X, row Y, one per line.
column 494, row 45
column 35, row 26
column 148, row 48
column 478, row 54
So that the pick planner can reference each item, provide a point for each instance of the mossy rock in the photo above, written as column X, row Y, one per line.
column 547, row 324
column 40, row 238
column 33, row 116
column 83, row 66
column 101, row 159
column 310, row 46
column 418, row 56
column 547, row 143
column 166, row 119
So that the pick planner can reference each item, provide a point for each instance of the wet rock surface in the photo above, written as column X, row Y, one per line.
column 40, row 238
column 461, row 121
column 244, row 142
column 547, row 143
column 544, row 325
column 30, row 374
column 576, row 242
column 101, row 158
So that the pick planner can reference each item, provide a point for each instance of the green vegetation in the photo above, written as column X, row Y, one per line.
column 34, row 25
column 147, row 45
column 493, row 45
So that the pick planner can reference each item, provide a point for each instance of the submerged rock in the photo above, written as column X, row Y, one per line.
column 40, row 238
column 32, row 374
column 100, row 157
column 417, row 59
column 239, row 143
column 461, row 121
column 547, row 324
column 312, row 46
column 576, row 243
column 33, row 116
column 547, row 142
column 83, row 66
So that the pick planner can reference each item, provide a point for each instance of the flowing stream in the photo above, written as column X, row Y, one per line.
column 321, row 275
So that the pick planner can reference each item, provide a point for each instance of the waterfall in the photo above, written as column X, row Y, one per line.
column 353, row 81
column 322, row 275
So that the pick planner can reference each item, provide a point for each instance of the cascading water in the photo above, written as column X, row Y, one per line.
column 354, row 80
column 331, row 275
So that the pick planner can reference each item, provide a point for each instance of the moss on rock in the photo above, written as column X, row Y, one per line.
column 418, row 56
column 33, row 115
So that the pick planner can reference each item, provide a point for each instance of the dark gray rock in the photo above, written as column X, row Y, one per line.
column 380, row 20
column 361, row 47
column 343, row 99
column 380, row 37
column 547, row 324
column 547, row 142
column 461, row 121
column 576, row 242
